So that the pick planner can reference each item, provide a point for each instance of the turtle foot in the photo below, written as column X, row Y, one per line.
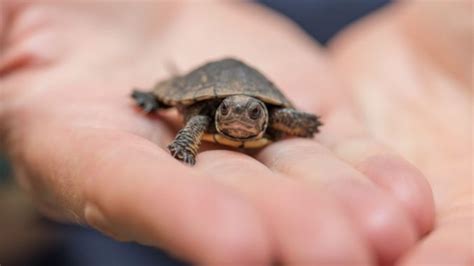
column 181, row 153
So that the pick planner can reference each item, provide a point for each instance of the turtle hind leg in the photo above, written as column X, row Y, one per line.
column 146, row 100
column 294, row 123
column 186, row 143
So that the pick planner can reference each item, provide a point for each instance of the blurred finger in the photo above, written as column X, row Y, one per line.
column 344, row 136
column 378, row 216
column 308, row 227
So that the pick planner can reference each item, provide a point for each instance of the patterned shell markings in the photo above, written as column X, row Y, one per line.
column 219, row 79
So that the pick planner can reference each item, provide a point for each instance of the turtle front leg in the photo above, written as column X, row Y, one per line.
column 295, row 123
column 186, row 143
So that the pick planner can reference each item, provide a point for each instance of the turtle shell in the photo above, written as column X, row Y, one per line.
column 219, row 79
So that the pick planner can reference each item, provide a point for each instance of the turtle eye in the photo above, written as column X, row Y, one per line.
column 254, row 112
column 224, row 109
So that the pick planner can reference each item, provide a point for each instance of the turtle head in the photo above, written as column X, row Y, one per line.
column 241, row 117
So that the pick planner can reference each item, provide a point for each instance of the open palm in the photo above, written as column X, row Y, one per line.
column 87, row 154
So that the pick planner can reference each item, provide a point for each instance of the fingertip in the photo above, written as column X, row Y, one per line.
column 407, row 184
column 378, row 218
column 393, row 174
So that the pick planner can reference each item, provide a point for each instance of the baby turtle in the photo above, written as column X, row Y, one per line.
column 227, row 102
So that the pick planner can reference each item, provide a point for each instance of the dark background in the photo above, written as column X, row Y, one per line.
column 4, row 169
column 321, row 19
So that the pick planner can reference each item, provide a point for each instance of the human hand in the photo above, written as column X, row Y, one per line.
column 87, row 155
column 411, row 67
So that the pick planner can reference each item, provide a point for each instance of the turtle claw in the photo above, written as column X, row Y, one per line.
column 181, row 153
column 145, row 100
column 313, row 125
column 189, row 159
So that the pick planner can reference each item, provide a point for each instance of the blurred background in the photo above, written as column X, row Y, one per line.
column 26, row 238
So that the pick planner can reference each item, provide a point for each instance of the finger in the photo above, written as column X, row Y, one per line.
column 379, row 218
column 448, row 244
column 382, row 166
column 131, row 190
column 308, row 227
column 356, row 146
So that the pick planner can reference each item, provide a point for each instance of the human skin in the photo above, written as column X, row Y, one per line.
column 86, row 154
column 410, row 68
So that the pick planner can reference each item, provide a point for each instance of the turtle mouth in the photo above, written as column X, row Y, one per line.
column 238, row 130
